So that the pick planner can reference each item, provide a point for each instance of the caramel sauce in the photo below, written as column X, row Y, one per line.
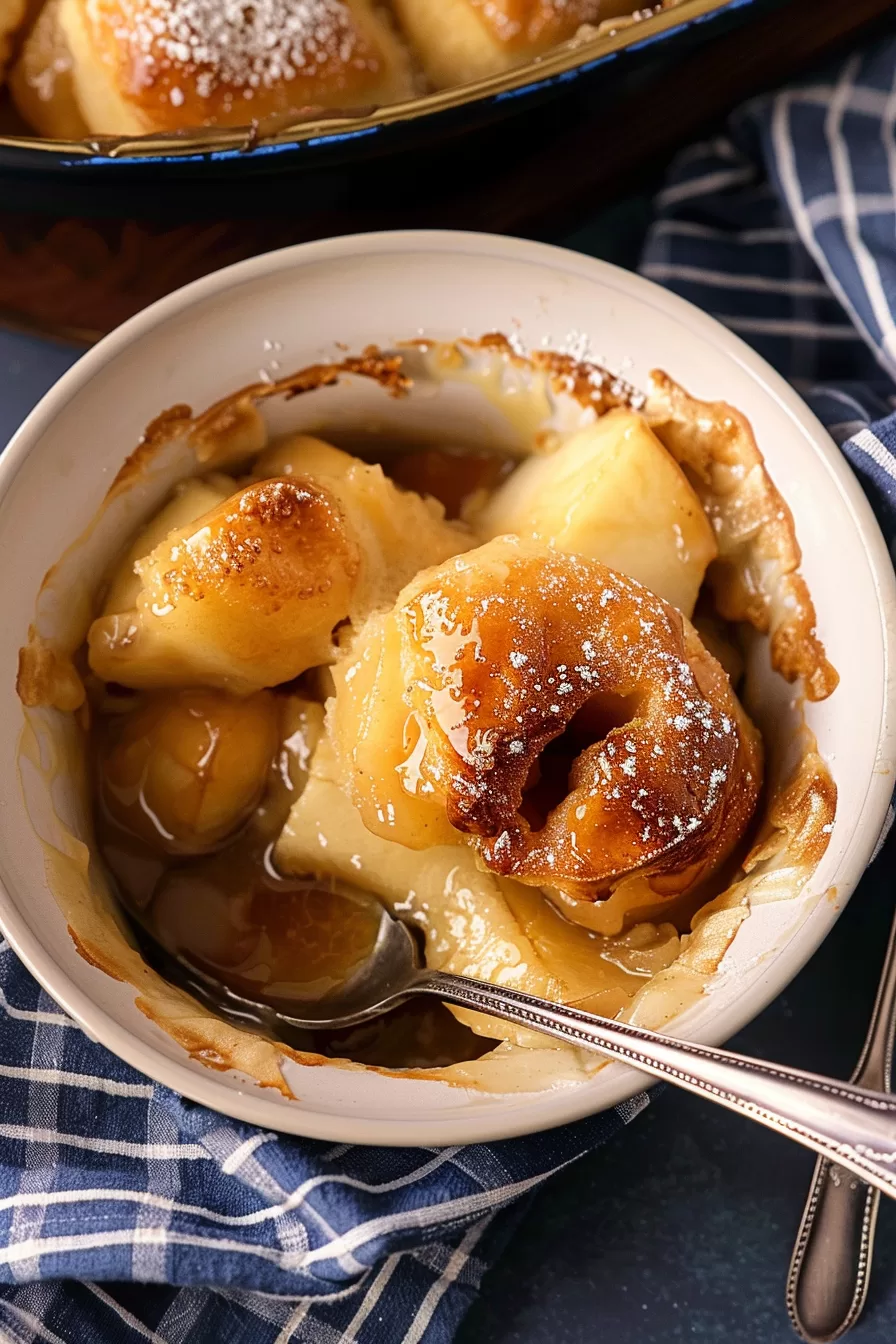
column 264, row 936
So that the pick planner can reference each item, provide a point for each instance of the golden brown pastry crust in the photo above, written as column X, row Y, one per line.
column 41, row 80
column 755, row 577
column 243, row 598
column 489, row 658
column 143, row 66
column 13, row 14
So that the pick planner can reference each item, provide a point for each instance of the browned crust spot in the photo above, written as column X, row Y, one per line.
column 96, row 956
column 293, row 524
column 244, row 1052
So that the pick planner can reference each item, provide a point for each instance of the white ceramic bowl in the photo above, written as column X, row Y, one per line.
column 212, row 337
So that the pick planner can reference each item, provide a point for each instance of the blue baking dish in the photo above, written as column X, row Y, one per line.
column 328, row 160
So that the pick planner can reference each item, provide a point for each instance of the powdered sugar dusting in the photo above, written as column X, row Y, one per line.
column 513, row 640
column 246, row 44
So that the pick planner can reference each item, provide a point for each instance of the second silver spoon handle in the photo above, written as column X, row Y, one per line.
column 853, row 1127
column 829, row 1273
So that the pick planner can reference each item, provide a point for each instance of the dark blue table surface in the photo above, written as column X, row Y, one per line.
column 682, row 1228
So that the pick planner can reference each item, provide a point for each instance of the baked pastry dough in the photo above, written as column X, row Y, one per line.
column 399, row 531
column 756, row 577
column 12, row 16
column 244, row 598
column 190, row 501
column 462, row 40
column 249, row 595
column 612, row 493
column 142, row 66
column 41, row 80
column 557, row 714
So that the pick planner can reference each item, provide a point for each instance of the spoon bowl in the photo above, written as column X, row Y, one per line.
column 380, row 983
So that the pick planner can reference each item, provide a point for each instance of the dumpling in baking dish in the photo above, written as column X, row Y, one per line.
column 462, row 40
column 41, row 79
column 567, row 723
column 612, row 493
column 138, row 67
column 12, row 16
column 249, row 594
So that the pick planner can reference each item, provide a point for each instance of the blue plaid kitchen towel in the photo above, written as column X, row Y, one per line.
column 128, row 1214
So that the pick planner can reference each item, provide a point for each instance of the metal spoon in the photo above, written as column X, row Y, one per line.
column 831, row 1266
column 854, row 1127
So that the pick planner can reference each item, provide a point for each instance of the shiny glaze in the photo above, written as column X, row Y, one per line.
column 186, row 770
column 505, row 653
column 209, row 592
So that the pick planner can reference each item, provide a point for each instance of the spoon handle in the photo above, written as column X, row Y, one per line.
column 853, row 1127
column 831, row 1266
column 830, row 1270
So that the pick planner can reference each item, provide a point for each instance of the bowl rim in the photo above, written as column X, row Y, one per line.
column 326, row 130
column 483, row 1125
